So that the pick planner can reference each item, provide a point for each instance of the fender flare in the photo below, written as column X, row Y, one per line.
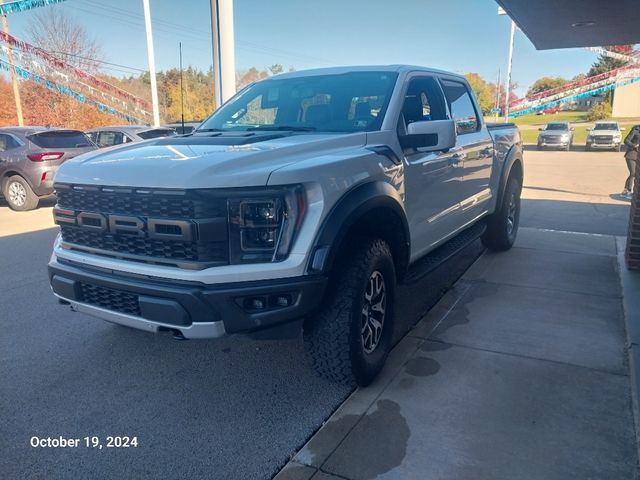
column 514, row 156
column 353, row 206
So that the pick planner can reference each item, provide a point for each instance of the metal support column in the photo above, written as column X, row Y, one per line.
column 224, row 62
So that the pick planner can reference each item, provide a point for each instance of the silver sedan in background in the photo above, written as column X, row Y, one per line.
column 118, row 135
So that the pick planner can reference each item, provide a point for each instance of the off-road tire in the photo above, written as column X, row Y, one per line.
column 26, row 199
column 333, row 337
column 502, row 226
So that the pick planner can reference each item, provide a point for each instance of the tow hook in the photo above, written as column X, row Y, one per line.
column 177, row 335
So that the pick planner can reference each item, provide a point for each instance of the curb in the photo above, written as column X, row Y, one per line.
column 307, row 462
column 630, row 282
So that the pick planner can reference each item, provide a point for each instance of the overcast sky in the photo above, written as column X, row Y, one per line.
column 457, row 35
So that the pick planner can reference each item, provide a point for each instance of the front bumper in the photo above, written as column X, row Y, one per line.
column 604, row 146
column 554, row 144
column 193, row 309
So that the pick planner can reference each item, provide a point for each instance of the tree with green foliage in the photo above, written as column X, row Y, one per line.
column 546, row 83
column 485, row 92
column 605, row 63
column 600, row 111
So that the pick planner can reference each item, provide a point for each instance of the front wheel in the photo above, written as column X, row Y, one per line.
column 349, row 339
column 502, row 226
column 19, row 195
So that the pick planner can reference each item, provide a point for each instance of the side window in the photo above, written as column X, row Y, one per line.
column 461, row 106
column 7, row 142
column 108, row 139
column 423, row 101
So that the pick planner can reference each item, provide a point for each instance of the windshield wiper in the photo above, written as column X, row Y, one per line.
column 289, row 128
column 199, row 130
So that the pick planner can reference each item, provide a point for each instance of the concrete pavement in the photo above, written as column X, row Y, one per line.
column 519, row 372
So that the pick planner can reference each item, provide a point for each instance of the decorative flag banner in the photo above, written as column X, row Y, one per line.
column 55, row 62
column 67, row 91
column 23, row 5
column 578, row 96
column 35, row 65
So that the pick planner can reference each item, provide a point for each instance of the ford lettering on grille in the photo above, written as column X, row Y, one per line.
column 159, row 229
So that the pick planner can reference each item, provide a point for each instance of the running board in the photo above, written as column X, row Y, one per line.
column 431, row 261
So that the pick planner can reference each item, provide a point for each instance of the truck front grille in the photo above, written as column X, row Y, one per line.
column 114, row 300
column 203, row 216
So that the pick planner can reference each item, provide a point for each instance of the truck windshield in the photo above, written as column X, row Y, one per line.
column 557, row 126
column 350, row 102
column 606, row 126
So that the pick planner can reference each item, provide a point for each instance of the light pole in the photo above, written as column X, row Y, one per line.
column 14, row 79
column 507, row 93
column 152, row 63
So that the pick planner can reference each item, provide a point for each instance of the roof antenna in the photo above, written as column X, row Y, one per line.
column 181, row 90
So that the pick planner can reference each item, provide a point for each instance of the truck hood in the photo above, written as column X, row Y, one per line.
column 553, row 133
column 214, row 160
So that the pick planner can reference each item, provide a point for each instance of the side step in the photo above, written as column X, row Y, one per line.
column 440, row 255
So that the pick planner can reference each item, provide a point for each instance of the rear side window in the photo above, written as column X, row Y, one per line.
column 109, row 139
column 461, row 106
column 7, row 142
column 60, row 139
column 156, row 133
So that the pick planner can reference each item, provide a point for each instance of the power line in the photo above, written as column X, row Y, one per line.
column 74, row 55
column 188, row 31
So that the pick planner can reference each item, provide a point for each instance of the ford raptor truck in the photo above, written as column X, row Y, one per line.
column 300, row 204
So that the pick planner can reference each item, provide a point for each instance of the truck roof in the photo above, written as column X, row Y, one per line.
column 363, row 68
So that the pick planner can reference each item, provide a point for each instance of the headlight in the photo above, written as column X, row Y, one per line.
column 263, row 224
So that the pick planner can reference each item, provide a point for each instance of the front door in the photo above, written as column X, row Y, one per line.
column 433, row 179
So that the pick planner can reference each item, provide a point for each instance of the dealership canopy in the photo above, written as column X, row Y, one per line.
column 576, row 23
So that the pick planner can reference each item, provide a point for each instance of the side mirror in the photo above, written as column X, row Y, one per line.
column 540, row 129
column 622, row 129
column 572, row 129
column 431, row 136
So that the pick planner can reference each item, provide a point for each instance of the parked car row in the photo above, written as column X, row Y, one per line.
column 30, row 156
column 605, row 135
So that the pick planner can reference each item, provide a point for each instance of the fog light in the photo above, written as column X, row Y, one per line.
column 280, row 300
column 254, row 303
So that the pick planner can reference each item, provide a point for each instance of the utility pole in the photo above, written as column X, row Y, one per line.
column 224, row 63
column 497, row 105
column 508, row 85
column 14, row 78
column 152, row 63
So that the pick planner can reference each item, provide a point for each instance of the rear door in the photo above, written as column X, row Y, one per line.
column 9, row 153
column 476, row 148
column 433, row 179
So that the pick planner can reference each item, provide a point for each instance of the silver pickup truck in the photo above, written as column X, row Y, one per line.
column 299, row 205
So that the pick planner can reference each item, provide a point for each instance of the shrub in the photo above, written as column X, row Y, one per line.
column 600, row 111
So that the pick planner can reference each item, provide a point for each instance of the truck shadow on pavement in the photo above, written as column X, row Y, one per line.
column 205, row 401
